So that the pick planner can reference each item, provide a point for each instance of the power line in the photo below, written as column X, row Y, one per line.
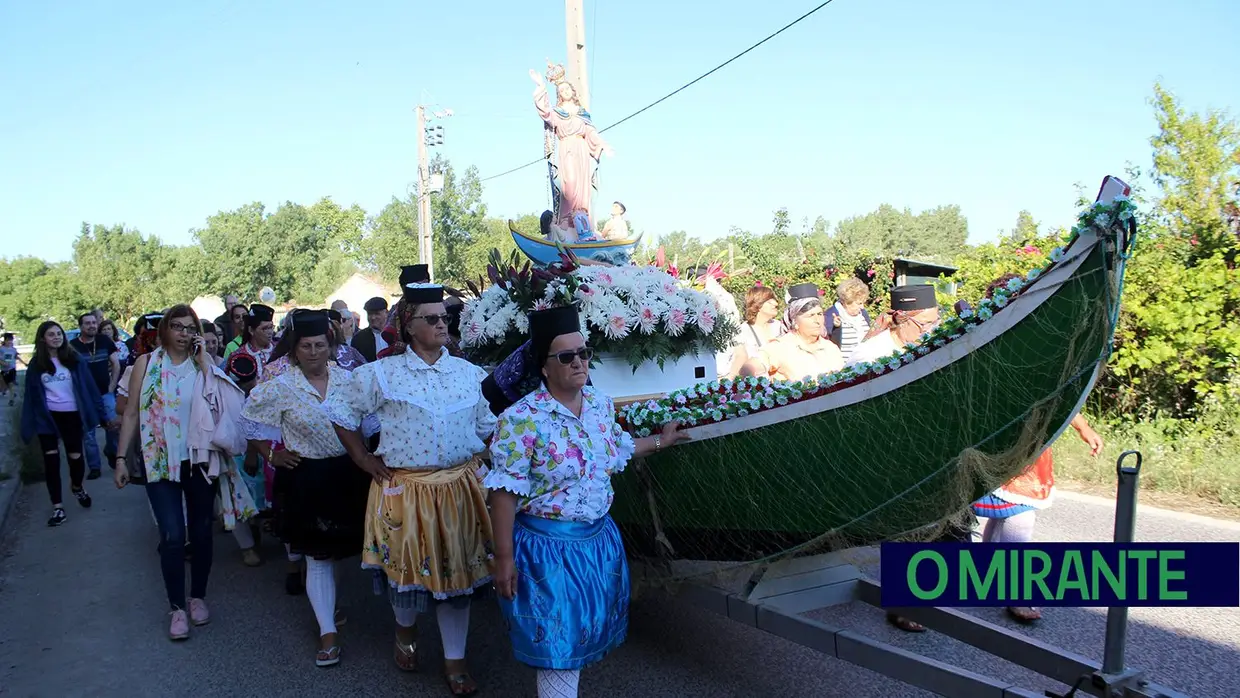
column 683, row 87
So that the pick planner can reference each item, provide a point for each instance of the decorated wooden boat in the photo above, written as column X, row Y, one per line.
column 544, row 252
column 887, row 450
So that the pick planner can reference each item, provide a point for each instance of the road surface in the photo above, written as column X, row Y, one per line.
column 83, row 614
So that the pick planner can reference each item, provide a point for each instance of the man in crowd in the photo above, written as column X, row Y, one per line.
column 8, row 367
column 225, row 321
column 102, row 357
column 369, row 341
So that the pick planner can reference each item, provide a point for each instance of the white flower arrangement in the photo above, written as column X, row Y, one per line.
column 641, row 312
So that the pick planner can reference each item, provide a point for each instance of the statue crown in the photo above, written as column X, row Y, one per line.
column 555, row 73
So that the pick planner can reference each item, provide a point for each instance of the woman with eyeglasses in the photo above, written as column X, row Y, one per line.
column 801, row 350
column 428, row 536
column 560, row 567
column 186, row 412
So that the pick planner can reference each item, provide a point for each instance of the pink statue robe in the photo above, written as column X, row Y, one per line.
column 579, row 143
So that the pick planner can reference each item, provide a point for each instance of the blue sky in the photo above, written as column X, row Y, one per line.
column 159, row 114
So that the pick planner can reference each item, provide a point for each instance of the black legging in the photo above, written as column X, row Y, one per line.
column 69, row 424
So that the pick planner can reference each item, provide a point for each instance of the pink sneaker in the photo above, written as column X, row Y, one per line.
column 198, row 612
column 179, row 628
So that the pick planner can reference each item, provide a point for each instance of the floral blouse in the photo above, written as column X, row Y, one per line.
column 431, row 415
column 558, row 464
column 290, row 404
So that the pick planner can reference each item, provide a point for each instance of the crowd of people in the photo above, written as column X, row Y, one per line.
column 385, row 445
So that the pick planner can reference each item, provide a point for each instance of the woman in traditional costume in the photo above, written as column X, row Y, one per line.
column 427, row 533
column 321, row 493
column 1008, row 514
column 914, row 312
column 560, row 566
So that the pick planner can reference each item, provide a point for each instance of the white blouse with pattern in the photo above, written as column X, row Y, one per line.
column 289, row 408
column 558, row 464
column 431, row 415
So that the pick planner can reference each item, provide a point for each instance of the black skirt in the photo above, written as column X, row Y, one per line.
column 320, row 507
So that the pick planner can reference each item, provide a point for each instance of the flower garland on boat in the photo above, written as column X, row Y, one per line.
column 719, row 400
column 641, row 313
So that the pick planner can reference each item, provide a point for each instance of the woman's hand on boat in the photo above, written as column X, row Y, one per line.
column 285, row 459
column 672, row 434
column 376, row 468
column 505, row 576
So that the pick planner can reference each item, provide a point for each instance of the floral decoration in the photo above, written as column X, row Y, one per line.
column 642, row 313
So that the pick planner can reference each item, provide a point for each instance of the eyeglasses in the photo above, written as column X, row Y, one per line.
column 182, row 329
column 433, row 319
column 566, row 357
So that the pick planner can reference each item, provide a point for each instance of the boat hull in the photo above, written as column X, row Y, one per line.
column 891, row 456
column 545, row 252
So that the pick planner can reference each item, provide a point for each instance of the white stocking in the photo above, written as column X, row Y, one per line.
column 453, row 630
column 1013, row 529
column 321, row 588
column 554, row 683
column 405, row 617
column 243, row 535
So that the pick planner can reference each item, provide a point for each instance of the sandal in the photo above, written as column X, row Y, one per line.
column 406, row 656
column 1024, row 614
column 461, row 684
column 328, row 657
column 908, row 626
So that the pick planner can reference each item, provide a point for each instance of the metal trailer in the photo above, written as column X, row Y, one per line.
column 778, row 593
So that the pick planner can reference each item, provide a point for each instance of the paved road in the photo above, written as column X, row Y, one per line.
column 81, row 613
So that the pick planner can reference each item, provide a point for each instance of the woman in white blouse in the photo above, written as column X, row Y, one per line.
column 428, row 536
column 761, row 319
column 320, row 493
column 560, row 567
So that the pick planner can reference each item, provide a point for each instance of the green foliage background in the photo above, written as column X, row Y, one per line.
column 1177, row 348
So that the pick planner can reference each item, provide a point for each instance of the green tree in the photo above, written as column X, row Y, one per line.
column 457, row 215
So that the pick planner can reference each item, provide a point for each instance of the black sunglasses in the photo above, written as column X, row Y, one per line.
column 433, row 319
column 566, row 357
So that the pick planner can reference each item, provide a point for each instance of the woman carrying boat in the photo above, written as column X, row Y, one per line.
column 322, row 494
column 560, row 567
column 427, row 533
column 801, row 350
column 1008, row 514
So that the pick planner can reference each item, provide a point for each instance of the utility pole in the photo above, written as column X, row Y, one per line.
column 426, row 247
column 575, row 65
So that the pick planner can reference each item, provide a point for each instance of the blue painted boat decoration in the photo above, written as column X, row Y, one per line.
column 544, row 252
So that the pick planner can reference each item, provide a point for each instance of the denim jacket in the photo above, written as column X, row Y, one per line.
column 37, row 419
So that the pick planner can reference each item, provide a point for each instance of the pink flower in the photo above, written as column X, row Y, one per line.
column 647, row 319
column 870, row 272
column 542, row 304
column 675, row 322
column 616, row 328
column 605, row 278
column 706, row 320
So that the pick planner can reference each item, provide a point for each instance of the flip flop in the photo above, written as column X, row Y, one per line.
column 406, row 656
column 328, row 657
column 456, row 683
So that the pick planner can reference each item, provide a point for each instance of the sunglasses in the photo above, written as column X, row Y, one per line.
column 433, row 319
column 566, row 357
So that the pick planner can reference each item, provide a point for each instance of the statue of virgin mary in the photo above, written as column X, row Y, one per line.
column 579, row 143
